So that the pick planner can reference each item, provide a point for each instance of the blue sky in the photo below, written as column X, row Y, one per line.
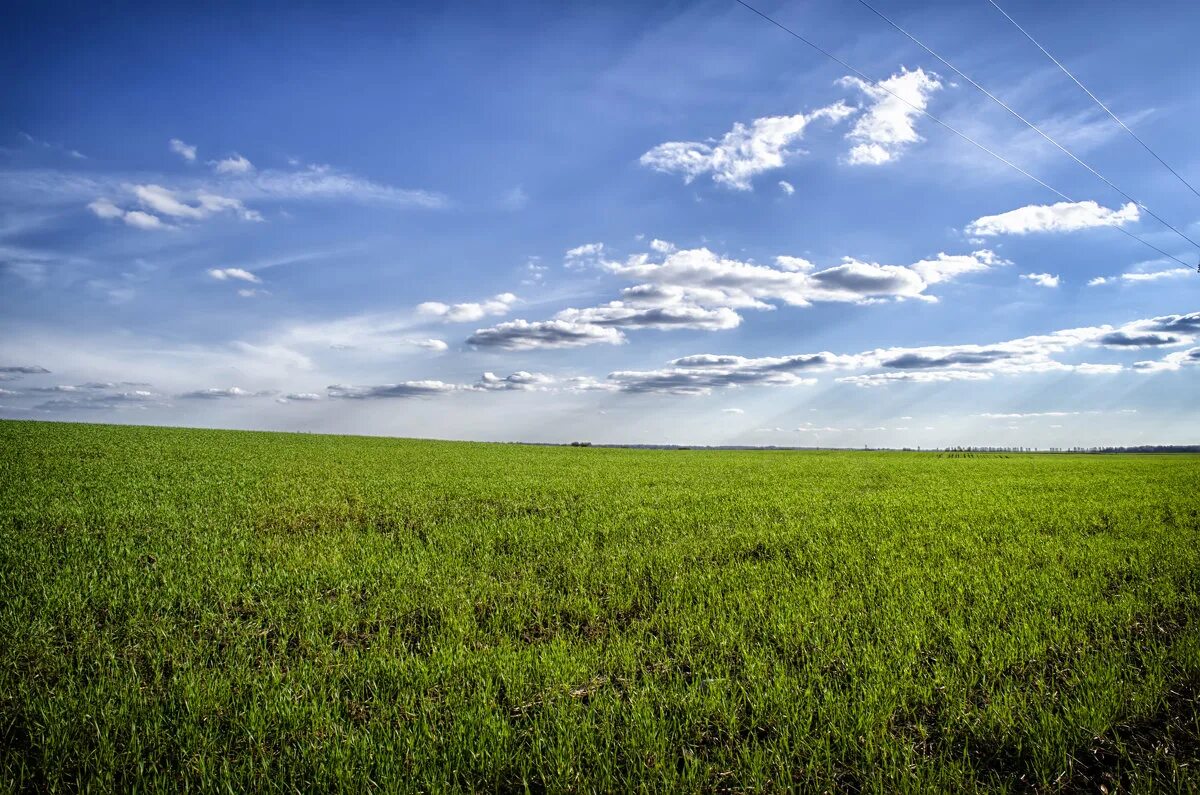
column 549, row 222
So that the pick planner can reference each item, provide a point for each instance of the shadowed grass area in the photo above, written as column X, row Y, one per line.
column 186, row 609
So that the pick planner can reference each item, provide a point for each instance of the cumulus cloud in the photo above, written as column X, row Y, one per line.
column 1157, row 332
column 945, row 267
column 1134, row 338
column 522, row 335
column 700, row 381
column 743, row 152
column 701, row 373
column 788, row 188
column 429, row 344
column 186, row 151
column 404, row 389
column 99, row 397
column 234, row 164
column 1060, row 217
column 888, row 124
column 1041, row 279
column 1172, row 361
column 216, row 393
column 298, row 397
column 704, row 278
column 520, row 381
column 635, row 315
column 467, row 312
column 698, row 289
column 221, row 274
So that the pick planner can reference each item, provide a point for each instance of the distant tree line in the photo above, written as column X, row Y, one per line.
column 1144, row 448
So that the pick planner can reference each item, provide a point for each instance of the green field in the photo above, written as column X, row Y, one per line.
column 189, row 609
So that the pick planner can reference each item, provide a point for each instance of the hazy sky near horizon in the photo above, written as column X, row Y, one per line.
column 605, row 222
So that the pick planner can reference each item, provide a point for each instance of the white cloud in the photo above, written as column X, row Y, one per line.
column 404, row 389
column 698, row 289
column 700, row 381
column 143, row 220
column 165, row 202
column 375, row 335
column 1170, row 362
column 99, row 397
column 172, row 204
column 435, row 345
column 634, row 315
column 103, row 208
column 794, row 263
column 235, row 164
column 216, row 393
column 520, row 381
column 743, row 152
column 467, row 312
column 1041, row 279
column 701, row 373
column 945, row 267
column 215, row 193
column 298, row 397
column 186, row 151
column 585, row 250
column 706, row 279
column 732, row 411
column 221, row 274
column 1060, row 217
column 787, row 187
column 1136, row 277
column 522, row 335
column 325, row 183
column 887, row 126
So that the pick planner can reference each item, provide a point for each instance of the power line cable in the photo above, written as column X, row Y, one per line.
column 1029, row 124
column 1095, row 98
column 959, row 133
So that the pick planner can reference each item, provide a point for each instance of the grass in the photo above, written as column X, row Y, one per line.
column 211, row 610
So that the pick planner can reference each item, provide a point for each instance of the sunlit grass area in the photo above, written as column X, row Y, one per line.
column 186, row 609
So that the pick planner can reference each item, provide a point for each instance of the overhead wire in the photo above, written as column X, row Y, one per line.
column 1095, row 98
column 1029, row 124
column 877, row 84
